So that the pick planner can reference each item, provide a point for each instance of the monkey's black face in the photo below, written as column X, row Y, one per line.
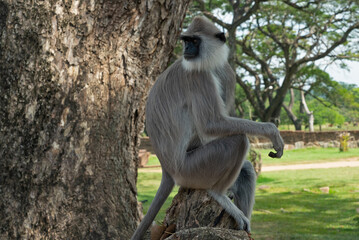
column 191, row 46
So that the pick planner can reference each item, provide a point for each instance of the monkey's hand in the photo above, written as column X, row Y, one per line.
column 277, row 141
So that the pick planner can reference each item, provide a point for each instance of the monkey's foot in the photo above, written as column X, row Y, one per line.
column 243, row 223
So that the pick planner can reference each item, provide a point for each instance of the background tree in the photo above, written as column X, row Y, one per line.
column 271, row 40
column 294, row 118
column 338, row 102
column 306, row 80
column 74, row 79
column 331, row 102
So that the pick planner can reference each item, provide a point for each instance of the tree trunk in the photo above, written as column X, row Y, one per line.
column 289, row 110
column 195, row 213
column 296, row 121
column 309, row 113
column 74, row 79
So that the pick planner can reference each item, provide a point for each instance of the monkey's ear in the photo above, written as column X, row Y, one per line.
column 221, row 36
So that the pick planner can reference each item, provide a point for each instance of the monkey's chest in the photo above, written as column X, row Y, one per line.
column 218, row 86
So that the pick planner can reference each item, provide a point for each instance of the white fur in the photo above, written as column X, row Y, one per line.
column 219, row 90
column 208, row 59
column 217, row 84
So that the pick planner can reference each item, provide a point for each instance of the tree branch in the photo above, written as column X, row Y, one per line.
column 331, row 48
column 256, row 84
column 249, row 52
column 301, row 8
column 250, row 96
column 209, row 15
column 244, row 15
column 315, row 97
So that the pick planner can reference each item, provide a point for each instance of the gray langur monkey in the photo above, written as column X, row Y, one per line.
column 197, row 141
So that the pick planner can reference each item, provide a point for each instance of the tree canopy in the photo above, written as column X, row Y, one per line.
column 274, row 44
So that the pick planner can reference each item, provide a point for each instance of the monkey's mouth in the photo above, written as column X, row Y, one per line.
column 189, row 56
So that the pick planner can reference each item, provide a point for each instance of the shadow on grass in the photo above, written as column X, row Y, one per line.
column 263, row 180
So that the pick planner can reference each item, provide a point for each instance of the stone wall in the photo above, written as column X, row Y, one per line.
column 301, row 139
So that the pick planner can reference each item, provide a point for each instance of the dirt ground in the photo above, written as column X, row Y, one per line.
column 350, row 162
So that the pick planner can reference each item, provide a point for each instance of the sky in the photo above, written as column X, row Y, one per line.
column 342, row 75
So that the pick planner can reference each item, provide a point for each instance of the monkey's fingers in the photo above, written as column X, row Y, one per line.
column 278, row 154
column 272, row 154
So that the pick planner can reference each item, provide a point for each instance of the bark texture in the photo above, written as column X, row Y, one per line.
column 207, row 233
column 196, row 215
column 74, row 79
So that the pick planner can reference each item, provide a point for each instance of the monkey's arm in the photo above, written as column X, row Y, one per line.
column 210, row 118
column 230, row 126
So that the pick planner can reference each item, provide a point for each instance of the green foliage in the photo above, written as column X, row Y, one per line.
column 323, row 114
column 345, row 100
column 332, row 102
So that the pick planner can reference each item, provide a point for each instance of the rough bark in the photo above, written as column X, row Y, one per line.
column 208, row 233
column 196, row 209
column 74, row 79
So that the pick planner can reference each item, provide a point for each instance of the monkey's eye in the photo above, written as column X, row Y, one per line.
column 221, row 36
column 185, row 38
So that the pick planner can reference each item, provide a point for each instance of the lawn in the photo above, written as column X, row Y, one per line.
column 147, row 185
column 289, row 204
column 153, row 160
column 308, row 155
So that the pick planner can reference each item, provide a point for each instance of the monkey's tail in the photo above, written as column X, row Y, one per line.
column 162, row 194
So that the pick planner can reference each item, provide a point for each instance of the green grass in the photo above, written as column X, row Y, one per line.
column 147, row 185
column 153, row 160
column 292, row 206
column 308, row 155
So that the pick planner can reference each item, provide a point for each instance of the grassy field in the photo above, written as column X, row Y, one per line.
column 153, row 160
column 308, row 155
column 147, row 185
column 289, row 204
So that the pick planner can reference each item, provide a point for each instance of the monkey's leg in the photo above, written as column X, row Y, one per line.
column 216, row 166
column 232, row 209
column 162, row 194
column 243, row 189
